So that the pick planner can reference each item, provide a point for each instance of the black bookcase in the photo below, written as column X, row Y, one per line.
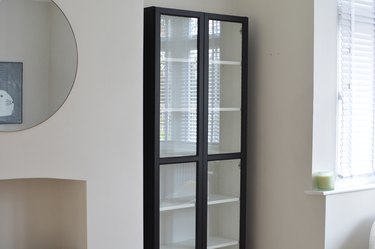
column 195, row 107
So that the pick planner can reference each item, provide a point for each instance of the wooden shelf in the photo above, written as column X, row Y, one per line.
column 189, row 202
column 212, row 243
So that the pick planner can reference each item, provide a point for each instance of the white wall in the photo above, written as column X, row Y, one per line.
column 97, row 135
column 349, row 220
column 42, row 214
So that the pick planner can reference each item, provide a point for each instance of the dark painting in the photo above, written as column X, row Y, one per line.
column 11, row 92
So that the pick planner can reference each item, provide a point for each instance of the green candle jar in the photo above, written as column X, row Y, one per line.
column 324, row 180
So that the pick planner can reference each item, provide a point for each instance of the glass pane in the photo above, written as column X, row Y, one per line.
column 177, row 205
column 224, row 93
column 223, row 222
column 178, row 86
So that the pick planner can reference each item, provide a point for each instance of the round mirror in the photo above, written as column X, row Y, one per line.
column 38, row 62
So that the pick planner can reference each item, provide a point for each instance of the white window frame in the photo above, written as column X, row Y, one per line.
column 325, row 100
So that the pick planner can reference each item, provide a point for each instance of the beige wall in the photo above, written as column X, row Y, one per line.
column 97, row 135
column 214, row 6
column 42, row 214
column 62, row 59
column 31, row 21
column 280, row 123
column 45, row 45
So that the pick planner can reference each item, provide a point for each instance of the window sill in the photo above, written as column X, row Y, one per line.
column 341, row 190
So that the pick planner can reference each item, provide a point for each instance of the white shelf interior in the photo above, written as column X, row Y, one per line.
column 220, row 109
column 218, row 242
column 165, row 110
column 189, row 202
column 225, row 109
column 177, row 148
column 184, row 60
column 178, row 182
column 176, row 203
column 219, row 199
column 212, row 243
column 188, row 60
column 221, row 62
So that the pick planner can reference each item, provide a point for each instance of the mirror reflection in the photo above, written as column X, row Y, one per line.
column 38, row 62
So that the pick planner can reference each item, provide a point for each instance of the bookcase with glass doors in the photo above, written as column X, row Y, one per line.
column 195, row 98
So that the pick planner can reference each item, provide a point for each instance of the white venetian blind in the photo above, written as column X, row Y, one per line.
column 356, row 78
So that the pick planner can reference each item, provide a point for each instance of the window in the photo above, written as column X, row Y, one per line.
column 356, row 88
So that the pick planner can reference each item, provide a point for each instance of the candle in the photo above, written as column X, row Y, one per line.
column 324, row 180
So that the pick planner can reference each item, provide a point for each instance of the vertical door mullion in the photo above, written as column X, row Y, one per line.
column 244, row 79
column 157, row 130
column 205, row 132
column 201, row 182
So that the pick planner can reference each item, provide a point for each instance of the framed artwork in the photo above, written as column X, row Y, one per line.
column 11, row 92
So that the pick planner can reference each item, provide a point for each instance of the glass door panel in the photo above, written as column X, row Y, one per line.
column 224, row 87
column 178, row 85
column 223, row 224
column 177, row 205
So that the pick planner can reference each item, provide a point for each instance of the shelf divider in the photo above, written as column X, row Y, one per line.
column 189, row 202
column 212, row 243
